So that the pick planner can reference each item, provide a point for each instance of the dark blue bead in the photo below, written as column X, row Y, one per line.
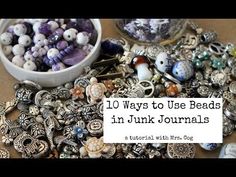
column 111, row 48
column 56, row 59
column 60, row 56
column 63, row 53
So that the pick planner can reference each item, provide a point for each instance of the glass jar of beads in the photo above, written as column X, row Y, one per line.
column 149, row 31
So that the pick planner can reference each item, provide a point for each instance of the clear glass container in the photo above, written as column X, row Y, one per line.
column 149, row 31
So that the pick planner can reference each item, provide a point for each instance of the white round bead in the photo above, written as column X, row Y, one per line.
column 30, row 65
column 36, row 27
column 69, row 35
column 18, row 60
column 53, row 25
column 6, row 38
column 38, row 38
column 18, row 49
column 82, row 38
column 52, row 53
column 25, row 40
column 75, row 30
column 28, row 56
column 7, row 49
column 20, row 29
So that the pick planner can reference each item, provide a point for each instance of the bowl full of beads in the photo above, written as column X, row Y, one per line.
column 49, row 51
column 151, row 31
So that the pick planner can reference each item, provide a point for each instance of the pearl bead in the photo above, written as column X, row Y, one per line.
column 39, row 38
column 69, row 35
column 30, row 65
column 53, row 25
column 25, row 40
column 53, row 52
column 28, row 56
column 36, row 27
column 18, row 60
column 6, row 38
column 82, row 38
column 20, row 29
column 18, row 49
column 7, row 49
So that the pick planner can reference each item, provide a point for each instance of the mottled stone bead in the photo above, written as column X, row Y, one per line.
column 6, row 38
column 30, row 65
column 7, row 49
column 18, row 49
column 25, row 40
column 20, row 29
column 18, row 60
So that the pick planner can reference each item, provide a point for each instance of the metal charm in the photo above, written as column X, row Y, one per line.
column 228, row 126
column 218, row 77
column 181, row 150
column 153, row 50
column 4, row 153
column 189, row 41
column 43, row 98
column 37, row 130
column 95, row 127
column 208, row 37
column 24, row 95
column 148, row 88
column 232, row 87
column 25, row 121
column 216, row 48
column 29, row 146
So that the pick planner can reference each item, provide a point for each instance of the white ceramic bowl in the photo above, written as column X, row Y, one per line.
column 51, row 79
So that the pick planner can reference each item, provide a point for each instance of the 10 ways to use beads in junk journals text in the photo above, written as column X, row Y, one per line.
column 163, row 120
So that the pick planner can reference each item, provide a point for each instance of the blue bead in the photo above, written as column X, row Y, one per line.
column 63, row 53
column 60, row 56
column 182, row 70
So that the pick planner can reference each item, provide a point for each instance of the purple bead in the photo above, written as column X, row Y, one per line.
column 75, row 57
column 10, row 29
column 45, row 29
column 62, row 45
column 72, row 25
column 55, row 36
column 55, row 67
column 59, row 31
column 85, row 25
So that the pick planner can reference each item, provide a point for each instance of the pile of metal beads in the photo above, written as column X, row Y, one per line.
column 67, row 121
